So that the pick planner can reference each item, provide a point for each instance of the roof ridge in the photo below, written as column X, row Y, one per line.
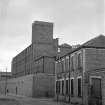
column 93, row 39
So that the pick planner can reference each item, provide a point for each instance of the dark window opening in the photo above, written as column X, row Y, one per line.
column 72, row 87
column 67, row 89
column 72, row 64
column 79, row 87
column 79, row 61
column 62, row 87
column 58, row 87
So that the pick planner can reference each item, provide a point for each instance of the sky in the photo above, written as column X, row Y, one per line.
column 75, row 22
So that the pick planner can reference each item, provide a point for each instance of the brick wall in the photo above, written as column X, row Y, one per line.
column 42, row 32
column 96, row 74
column 23, row 85
column 43, row 85
column 95, row 59
column 103, row 90
column 49, row 65
column 22, row 63
column 38, row 85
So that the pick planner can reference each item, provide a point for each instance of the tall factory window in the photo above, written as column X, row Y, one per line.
column 79, row 61
column 72, row 87
column 67, row 63
column 62, row 87
column 79, row 87
column 63, row 65
column 67, row 88
column 72, row 64
column 58, row 87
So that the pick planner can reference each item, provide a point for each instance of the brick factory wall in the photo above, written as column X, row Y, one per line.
column 22, row 63
column 43, row 85
column 49, row 65
column 42, row 32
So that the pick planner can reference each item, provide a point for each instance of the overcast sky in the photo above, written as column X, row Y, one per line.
column 75, row 21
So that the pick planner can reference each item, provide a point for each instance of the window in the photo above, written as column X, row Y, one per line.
column 60, row 66
column 67, row 63
column 79, row 87
column 67, row 89
column 79, row 60
column 63, row 65
column 62, row 87
column 72, row 63
column 72, row 87
column 58, row 87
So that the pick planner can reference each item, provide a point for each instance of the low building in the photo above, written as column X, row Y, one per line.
column 80, row 74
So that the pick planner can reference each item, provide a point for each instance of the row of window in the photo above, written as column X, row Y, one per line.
column 72, row 62
column 68, row 87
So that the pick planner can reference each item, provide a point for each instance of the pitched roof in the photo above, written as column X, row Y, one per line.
column 65, row 45
column 98, row 41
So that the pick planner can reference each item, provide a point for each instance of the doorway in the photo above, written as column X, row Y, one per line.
column 95, row 92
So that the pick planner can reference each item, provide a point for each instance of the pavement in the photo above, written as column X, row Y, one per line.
column 18, row 100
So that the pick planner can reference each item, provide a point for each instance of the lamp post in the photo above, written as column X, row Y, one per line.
column 58, row 84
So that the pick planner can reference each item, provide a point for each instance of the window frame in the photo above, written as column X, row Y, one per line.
column 79, row 60
column 72, row 62
column 72, row 91
column 67, row 86
column 80, row 77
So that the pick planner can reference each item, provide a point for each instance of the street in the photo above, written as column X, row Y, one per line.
column 13, row 100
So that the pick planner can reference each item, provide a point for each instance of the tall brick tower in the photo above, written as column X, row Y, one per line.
column 42, row 32
column 42, row 39
column 43, row 46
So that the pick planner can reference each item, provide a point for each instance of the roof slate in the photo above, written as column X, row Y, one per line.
column 98, row 41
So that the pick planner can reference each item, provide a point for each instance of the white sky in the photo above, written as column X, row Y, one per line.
column 75, row 21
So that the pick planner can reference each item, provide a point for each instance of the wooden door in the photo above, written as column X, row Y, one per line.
column 96, row 91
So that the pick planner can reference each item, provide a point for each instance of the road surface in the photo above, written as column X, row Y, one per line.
column 13, row 100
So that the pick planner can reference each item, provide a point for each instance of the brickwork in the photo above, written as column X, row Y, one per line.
column 92, row 59
column 49, row 65
column 38, row 85
column 95, row 58
column 42, row 32
column 43, row 44
column 99, row 73
column 22, row 63
column 43, row 85
column 18, row 86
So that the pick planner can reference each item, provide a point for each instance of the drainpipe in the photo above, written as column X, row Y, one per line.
column 6, row 83
column 69, row 81
column 43, row 64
